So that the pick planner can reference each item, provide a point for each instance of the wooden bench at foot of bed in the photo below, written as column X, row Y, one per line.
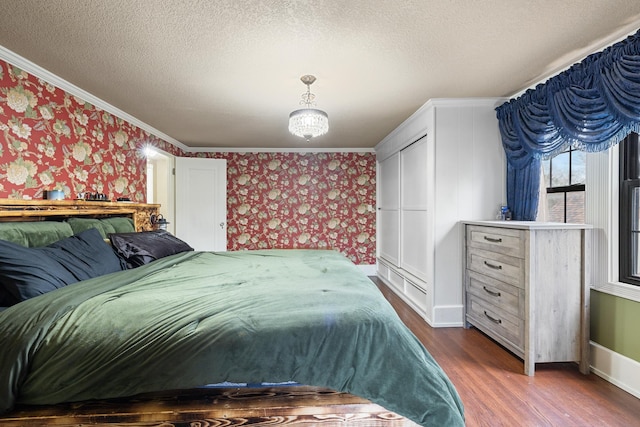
column 272, row 406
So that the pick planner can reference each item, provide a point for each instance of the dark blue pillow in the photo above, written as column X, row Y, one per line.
column 29, row 272
column 145, row 246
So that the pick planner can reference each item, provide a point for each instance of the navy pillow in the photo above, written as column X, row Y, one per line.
column 29, row 272
column 146, row 246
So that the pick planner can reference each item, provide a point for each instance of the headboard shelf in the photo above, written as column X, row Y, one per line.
column 43, row 210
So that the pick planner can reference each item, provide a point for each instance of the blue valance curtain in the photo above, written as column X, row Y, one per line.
column 591, row 106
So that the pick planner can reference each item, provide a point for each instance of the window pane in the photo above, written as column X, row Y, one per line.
column 555, row 207
column 635, row 209
column 575, row 207
column 560, row 170
column 546, row 164
column 578, row 160
column 635, row 254
column 635, row 232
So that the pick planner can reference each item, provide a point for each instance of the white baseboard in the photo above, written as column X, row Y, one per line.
column 369, row 269
column 619, row 370
column 448, row 316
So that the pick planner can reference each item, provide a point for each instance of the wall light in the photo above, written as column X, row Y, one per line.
column 149, row 151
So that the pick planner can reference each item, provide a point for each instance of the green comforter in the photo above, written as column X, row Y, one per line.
column 199, row 318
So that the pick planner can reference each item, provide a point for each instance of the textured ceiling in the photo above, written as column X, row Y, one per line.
column 226, row 73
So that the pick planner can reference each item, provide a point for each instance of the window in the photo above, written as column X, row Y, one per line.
column 629, row 221
column 564, row 177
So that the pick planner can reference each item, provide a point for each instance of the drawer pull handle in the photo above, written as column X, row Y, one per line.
column 492, row 240
column 490, row 292
column 493, row 319
column 495, row 267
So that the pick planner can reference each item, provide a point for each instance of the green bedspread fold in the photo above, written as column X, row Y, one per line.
column 199, row 318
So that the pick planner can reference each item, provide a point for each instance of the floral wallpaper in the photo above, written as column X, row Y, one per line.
column 52, row 140
column 302, row 200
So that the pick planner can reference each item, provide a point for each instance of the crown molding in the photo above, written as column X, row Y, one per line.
column 578, row 56
column 36, row 70
column 278, row 150
column 39, row 72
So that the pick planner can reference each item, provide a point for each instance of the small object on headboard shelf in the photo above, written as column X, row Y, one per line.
column 54, row 194
column 96, row 197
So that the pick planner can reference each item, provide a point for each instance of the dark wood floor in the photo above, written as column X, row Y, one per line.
column 495, row 392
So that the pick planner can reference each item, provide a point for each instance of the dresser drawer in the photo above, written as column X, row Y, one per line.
column 502, row 295
column 495, row 321
column 505, row 268
column 501, row 240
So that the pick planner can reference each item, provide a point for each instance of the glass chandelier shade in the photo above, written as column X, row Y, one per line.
column 308, row 122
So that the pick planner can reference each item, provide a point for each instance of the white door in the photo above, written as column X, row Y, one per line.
column 201, row 203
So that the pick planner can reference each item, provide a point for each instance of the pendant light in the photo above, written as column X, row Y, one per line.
column 308, row 122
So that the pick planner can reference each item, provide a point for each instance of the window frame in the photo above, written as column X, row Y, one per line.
column 629, row 179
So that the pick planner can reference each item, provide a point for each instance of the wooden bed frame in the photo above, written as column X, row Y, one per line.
column 43, row 210
column 232, row 406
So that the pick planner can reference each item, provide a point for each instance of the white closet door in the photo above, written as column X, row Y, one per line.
column 389, row 209
column 201, row 203
column 413, row 208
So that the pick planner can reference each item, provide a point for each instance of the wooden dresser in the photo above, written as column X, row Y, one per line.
column 526, row 286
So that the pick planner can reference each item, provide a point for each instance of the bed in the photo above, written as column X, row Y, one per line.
column 192, row 319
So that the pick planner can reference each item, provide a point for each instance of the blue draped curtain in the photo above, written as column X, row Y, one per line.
column 591, row 106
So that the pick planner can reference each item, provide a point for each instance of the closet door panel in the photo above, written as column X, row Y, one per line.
column 413, row 208
column 413, row 249
column 389, row 197
column 389, row 235
column 413, row 176
column 389, row 209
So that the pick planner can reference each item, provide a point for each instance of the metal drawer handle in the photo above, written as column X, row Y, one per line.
column 495, row 267
column 490, row 292
column 492, row 240
column 494, row 320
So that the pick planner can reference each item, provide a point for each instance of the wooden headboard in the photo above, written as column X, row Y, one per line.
column 43, row 210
